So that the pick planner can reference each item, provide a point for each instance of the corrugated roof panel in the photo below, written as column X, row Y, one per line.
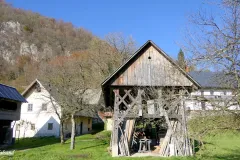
column 11, row 93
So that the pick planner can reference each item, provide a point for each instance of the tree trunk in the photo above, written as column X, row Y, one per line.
column 72, row 146
column 61, row 133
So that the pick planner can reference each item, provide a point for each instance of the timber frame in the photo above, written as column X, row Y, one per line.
column 126, row 91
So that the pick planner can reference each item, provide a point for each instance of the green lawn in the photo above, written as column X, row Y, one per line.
column 222, row 146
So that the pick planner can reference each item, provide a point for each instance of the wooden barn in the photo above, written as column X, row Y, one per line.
column 10, row 107
column 146, row 96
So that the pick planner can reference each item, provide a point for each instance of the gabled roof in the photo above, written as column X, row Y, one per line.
column 217, row 80
column 131, row 60
column 30, row 86
column 10, row 93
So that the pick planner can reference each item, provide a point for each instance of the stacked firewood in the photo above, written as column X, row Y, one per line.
column 126, row 132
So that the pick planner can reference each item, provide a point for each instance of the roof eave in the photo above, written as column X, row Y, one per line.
column 29, row 87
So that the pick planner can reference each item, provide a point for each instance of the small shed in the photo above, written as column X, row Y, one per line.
column 149, row 87
column 10, row 104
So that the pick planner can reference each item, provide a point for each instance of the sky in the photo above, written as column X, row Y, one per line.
column 162, row 21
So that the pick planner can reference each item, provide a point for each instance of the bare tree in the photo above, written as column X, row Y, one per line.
column 122, row 45
column 213, row 42
column 69, row 80
column 25, row 125
column 57, row 109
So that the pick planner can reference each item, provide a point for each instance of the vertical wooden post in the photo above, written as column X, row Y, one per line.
column 139, row 102
column 188, row 147
column 160, row 98
column 115, row 125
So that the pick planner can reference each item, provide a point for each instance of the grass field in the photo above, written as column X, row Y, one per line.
column 223, row 146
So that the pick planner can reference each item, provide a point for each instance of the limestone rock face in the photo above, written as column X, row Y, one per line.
column 12, row 26
column 28, row 49
column 13, row 43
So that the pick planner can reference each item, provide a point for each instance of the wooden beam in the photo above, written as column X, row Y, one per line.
column 115, row 139
column 136, row 101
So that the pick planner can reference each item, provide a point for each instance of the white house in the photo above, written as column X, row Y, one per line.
column 39, row 116
column 213, row 95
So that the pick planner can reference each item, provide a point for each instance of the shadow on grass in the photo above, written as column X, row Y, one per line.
column 93, row 146
column 28, row 143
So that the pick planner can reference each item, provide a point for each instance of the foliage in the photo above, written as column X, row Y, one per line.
column 28, row 29
column 181, row 59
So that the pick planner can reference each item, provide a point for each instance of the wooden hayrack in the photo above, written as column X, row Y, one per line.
column 176, row 141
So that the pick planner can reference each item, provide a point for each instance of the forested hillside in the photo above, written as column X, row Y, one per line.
column 30, row 43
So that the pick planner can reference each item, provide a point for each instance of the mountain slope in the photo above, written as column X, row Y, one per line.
column 29, row 40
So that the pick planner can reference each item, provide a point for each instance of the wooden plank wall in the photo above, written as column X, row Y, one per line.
column 152, row 69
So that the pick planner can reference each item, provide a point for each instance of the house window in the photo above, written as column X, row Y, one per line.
column 32, row 126
column 88, row 129
column 30, row 107
column 50, row 126
column 44, row 107
column 38, row 88
column 89, row 120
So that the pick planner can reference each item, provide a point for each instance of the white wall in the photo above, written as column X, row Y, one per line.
column 41, row 118
column 193, row 105
column 37, row 116
column 214, row 94
column 109, row 122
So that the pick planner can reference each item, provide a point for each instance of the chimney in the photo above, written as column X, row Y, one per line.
column 187, row 69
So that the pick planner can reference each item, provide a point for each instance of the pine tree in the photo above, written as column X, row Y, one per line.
column 181, row 59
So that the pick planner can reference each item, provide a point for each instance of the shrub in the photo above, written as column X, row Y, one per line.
column 28, row 29
column 104, row 136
